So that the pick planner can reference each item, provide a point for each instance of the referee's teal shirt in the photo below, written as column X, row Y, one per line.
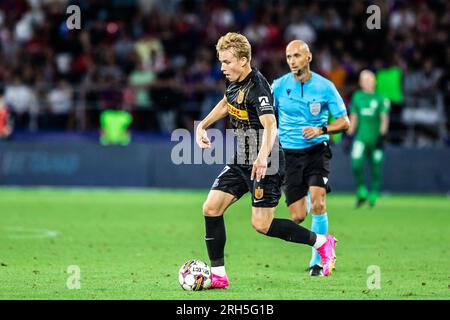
column 305, row 104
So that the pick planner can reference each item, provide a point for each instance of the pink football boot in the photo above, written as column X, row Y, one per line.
column 327, row 255
column 219, row 282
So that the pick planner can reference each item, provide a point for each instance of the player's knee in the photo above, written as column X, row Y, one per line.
column 260, row 226
column 210, row 210
column 298, row 217
column 298, row 220
column 318, row 206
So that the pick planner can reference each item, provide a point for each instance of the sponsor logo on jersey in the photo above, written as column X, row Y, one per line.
column 264, row 101
column 238, row 113
column 265, row 104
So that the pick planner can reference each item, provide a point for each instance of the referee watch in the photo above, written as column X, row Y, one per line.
column 324, row 130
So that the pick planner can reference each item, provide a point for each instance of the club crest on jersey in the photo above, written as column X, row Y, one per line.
column 314, row 108
column 240, row 96
column 259, row 193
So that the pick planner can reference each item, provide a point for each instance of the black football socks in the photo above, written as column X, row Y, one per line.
column 290, row 231
column 215, row 240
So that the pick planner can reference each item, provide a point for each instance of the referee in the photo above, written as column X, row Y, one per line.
column 304, row 100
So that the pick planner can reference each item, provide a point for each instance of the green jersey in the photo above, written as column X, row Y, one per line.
column 114, row 124
column 368, row 108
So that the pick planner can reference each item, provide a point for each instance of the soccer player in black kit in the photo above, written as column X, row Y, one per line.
column 249, row 103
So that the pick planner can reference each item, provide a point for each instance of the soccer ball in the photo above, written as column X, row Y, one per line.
column 194, row 275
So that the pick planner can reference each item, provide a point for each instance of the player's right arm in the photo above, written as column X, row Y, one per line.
column 353, row 124
column 353, row 116
column 218, row 112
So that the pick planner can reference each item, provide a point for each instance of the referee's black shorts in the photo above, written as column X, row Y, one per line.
column 305, row 168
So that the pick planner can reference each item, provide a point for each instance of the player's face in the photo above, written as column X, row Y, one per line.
column 297, row 58
column 367, row 81
column 230, row 65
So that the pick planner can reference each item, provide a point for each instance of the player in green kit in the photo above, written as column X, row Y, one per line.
column 369, row 125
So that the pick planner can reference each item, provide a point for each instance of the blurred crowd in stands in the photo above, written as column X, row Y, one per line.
column 156, row 59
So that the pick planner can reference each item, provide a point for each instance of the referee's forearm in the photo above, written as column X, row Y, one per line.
column 339, row 125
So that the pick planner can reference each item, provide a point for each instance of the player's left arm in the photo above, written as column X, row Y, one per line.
column 384, row 124
column 353, row 124
column 338, row 110
column 384, row 127
column 353, row 116
column 341, row 124
column 385, row 117
column 262, row 99
column 383, row 130
column 269, row 123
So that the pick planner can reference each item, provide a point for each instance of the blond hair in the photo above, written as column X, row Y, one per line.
column 237, row 43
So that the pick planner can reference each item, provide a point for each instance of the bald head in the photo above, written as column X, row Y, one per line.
column 298, row 58
column 367, row 80
column 298, row 45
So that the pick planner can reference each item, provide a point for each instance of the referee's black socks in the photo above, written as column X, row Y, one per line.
column 215, row 239
column 290, row 231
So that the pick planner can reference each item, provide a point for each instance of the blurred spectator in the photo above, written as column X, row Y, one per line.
column 22, row 100
column 6, row 123
column 422, row 110
column 60, row 106
column 402, row 19
column 168, row 97
column 140, row 81
column 150, row 52
column 299, row 28
column 124, row 47
column 243, row 15
column 110, row 69
column 337, row 74
column 148, row 56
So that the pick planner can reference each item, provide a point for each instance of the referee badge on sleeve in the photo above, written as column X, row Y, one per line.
column 314, row 108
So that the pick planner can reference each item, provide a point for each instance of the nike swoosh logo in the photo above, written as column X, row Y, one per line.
column 209, row 238
column 256, row 201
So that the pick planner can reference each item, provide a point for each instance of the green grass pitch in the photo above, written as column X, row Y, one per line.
column 129, row 244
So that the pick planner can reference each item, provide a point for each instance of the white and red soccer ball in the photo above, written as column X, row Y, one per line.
column 194, row 275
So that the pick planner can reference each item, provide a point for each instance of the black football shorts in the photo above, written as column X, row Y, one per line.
column 305, row 168
column 235, row 179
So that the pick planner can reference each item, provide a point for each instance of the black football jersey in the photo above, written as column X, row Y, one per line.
column 248, row 100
